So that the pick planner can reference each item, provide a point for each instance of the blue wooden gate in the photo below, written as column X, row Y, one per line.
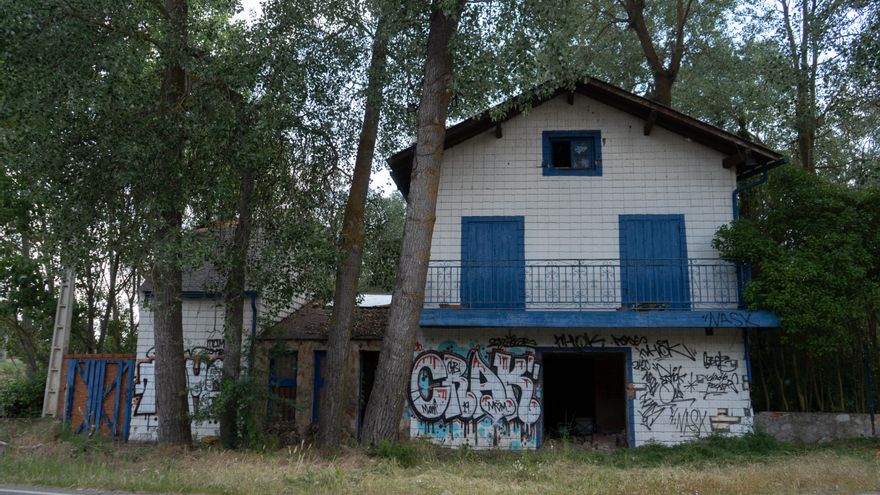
column 99, row 395
column 653, row 262
column 493, row 262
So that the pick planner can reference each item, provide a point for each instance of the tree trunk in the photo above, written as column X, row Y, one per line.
column 385, row 407
column 351, row 251
column 662, row 92
column 170, row 366
column 111, row 301
column 664, row 74
column 233, row 298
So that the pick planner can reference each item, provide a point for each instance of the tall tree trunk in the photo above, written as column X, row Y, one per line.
column 351, row 247
column 25, row 330
column 111, row 301
column 233, row 298
column 664, row 74
column 88, row 336
column 170, row 366
column 385, row 407
column 805, row 72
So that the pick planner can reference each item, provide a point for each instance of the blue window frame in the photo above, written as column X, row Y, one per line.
column 282, row 387
column 572, row 153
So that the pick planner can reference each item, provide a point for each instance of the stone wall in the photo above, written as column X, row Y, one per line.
column 815, row 427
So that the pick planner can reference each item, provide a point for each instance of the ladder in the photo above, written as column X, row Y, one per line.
column 60, row 342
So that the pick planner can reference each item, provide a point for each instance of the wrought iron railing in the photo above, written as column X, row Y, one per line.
column 572, row 284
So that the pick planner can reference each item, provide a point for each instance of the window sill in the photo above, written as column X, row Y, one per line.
column 550, row 171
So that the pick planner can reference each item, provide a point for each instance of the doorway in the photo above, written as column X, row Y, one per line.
column 367, row 375
column 585, row 397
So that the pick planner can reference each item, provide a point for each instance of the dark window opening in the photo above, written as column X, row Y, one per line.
column 572, row 153
column 282, row 388
column 585, row 397
column 369, row 363
column 561, row 154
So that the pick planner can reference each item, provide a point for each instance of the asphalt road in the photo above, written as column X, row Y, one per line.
column 41, row 490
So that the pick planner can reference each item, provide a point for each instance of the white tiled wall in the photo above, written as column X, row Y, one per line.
column 577, row 216
column 203, row 334
column 687, row 384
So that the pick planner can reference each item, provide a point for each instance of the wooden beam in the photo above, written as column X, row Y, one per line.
column 498, row 131
column 743, row 157
column 649, row 124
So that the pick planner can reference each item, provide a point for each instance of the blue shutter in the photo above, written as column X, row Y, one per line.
column 493, row 262
column 654, row 265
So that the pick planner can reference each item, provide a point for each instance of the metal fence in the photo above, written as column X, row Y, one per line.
column 584, row 284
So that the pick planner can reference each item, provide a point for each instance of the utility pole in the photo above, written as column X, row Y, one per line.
column 60, row 342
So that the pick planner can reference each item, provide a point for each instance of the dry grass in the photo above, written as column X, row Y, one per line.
column 36, row 456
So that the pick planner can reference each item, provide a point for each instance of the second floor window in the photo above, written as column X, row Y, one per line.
column 572, row 153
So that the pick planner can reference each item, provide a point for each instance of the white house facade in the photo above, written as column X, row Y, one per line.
column 203, row 319
column 573, row 290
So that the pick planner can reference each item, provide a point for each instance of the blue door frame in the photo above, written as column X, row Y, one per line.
column 630, row 401
column 320, row 356
column 493, row 262
column 654, row 262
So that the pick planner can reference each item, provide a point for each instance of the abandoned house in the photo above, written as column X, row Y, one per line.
column 572, row 291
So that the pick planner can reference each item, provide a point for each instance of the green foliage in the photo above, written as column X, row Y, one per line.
column 383, row 235
column 21, row 395
column 813, row 249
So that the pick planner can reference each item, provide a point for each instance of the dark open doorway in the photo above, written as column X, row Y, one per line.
column 585, row 397
column 369, row 363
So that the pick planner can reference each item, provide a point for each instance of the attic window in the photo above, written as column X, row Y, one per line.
column 572, row 153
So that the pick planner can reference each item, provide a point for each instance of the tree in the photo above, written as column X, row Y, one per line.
column 813, row 248
column 383, row 415
column 664, row 65
column 384, row 232
column 351, row 245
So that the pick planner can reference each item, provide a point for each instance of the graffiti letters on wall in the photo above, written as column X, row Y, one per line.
column 203, row 370
column 670, row 391
column 476, row 396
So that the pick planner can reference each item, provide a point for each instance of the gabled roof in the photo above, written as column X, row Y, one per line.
column 312, row 322
column 743, row 155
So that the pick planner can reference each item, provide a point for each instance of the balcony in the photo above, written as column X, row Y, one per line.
column 614, row 292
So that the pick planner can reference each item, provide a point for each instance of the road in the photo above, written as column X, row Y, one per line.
column 42, row 490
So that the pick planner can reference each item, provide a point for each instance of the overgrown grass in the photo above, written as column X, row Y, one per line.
column 38, row 454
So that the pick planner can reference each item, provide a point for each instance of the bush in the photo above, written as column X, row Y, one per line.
column 21, row 397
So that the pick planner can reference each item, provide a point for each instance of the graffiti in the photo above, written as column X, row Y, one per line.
column 720, row 384
column 690, row 422
column 662, row 349
column 493, row 397
column 445, row 385
column 722, row 363
column 629, row 340
column 203, row 371
column 511, row 340
column 728, row 319
column 581, row 341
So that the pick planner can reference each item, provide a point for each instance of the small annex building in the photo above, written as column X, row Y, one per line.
column 292, row 356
